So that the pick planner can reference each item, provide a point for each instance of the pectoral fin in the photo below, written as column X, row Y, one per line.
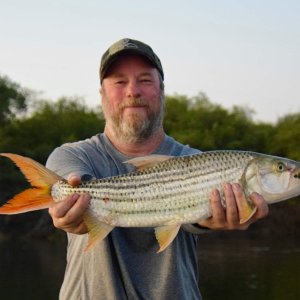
column 246, row 210
column 97, row 231
column 165, row 235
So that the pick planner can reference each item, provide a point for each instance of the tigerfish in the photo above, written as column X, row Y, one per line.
column 164, row 192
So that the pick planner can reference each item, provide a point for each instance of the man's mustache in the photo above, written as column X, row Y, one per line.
column 134, row 102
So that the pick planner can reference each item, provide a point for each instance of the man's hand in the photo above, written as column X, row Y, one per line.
column 68, row 214
column 229, row 217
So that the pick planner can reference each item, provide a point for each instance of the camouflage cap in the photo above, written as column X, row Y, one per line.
column 131, row 46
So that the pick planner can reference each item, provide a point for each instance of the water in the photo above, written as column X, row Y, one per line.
column 31, row 269
column 249, row 269
column 234, row 268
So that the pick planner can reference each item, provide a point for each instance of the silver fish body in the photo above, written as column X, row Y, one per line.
column 176, row 190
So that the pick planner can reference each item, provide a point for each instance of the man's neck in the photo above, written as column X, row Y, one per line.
column 139, row 148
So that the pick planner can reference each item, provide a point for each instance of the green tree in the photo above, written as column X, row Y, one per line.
column 50, row 125
column 13, row 99
column 286, row 137
column 198, row 122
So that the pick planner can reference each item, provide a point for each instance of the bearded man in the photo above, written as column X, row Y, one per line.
column 125, row 264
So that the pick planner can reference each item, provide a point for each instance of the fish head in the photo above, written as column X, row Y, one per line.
column 275, row 178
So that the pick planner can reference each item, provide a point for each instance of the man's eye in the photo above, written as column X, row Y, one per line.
column 146, row 80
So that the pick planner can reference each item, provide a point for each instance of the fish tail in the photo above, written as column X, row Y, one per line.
column 39, row 195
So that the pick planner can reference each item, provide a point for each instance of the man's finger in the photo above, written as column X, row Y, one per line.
column 75, row 213
column 232, row 213
column 261, row 204
column 60, row 209
column 74, row 179
column 218, row 212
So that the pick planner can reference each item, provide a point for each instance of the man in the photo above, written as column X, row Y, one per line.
column 125, row 264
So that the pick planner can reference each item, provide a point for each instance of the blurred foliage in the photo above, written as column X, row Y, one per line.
column 35, row 129
column 286, row 138
column 48, row 126
column 201, row 124
column 12, row 99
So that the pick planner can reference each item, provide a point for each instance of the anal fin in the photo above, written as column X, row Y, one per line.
column 165, row 235
column 97, row 230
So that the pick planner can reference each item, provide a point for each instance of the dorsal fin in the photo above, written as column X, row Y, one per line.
column 144, row 162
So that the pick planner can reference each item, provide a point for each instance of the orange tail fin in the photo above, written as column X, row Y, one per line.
column 41, row 180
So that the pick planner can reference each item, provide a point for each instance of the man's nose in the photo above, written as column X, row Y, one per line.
column 133, row 90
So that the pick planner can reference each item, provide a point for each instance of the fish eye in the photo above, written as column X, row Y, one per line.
column 280, row 167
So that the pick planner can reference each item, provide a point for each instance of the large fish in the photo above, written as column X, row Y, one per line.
column 164, row 192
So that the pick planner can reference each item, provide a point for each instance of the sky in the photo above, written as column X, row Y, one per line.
column 237, row 52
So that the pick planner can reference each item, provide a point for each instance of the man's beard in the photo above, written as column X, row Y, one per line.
column 138, row 128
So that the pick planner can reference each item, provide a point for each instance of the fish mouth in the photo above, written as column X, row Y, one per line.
column 297, row 175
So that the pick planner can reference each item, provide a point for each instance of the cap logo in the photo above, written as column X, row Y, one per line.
column 128, row 44
column 123, row 44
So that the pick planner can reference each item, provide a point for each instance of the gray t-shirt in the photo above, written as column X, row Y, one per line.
column 125, row 264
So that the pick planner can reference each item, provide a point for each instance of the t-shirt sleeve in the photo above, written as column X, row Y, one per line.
column 66, row 160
